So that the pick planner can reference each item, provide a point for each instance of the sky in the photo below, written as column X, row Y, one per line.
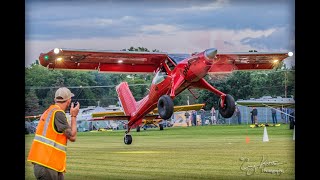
column 171, row 26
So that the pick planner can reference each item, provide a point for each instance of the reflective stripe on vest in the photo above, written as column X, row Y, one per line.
column 46, row 124
column 50, row 142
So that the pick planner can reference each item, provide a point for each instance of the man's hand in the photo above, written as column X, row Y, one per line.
column 74, row 110
column 72, row 133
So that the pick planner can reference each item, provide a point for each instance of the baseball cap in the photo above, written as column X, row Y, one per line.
column 63, row 94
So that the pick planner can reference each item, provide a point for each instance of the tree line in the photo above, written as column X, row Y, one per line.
column 94, row 88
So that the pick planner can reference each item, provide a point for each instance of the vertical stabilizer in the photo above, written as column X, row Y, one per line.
column 127, row 100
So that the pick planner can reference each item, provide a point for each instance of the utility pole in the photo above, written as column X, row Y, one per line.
column 285, row 84
column 188, row 100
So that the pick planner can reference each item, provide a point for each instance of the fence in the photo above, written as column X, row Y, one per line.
column 264, row 116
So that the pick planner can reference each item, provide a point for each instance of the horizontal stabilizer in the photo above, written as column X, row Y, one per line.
column 107, row 113
column 124, row 118
column 104, row 118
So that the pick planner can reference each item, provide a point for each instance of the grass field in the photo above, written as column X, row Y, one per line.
column 203, row 152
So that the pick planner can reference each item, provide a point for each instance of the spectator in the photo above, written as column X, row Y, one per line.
column 187, row 114
column 283, row 115
column 252, row 122
column 255, row 115
column 291, row 119
column 203, row 117
column 238, row 114
column 274, row 116
column 213, row 116
column 194, row 118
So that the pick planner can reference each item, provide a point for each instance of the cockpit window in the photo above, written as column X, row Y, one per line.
column 159, row 77
column 178, row 57
column 170, row 64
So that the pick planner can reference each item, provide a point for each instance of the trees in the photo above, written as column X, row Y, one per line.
column 32, row 106
column 251, row 84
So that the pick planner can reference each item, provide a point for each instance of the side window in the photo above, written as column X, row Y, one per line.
column 170, row 64
column 159, row 77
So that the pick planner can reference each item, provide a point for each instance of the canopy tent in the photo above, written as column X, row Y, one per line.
column 268, row 101
column 273, row 103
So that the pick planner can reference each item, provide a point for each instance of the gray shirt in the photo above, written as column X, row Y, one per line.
column 60, row 122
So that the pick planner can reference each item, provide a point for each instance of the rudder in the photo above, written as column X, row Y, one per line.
column 126, row 98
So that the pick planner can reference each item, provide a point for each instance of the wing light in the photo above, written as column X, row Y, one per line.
column 275, row 61
column 56, row 50
column 120, row 61
column 59, row 59
column 46, row 57
column 290, row 53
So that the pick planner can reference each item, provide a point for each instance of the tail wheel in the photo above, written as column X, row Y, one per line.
column 161, row 127
column 127, row 139
column 229, row 107
column 165, row 107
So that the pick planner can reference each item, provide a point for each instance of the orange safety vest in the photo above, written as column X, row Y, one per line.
column 49, row 147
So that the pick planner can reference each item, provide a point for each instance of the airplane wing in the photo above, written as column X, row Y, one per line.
column 184, row 108
column 114, row 114
column 228, row 62
column 105, row 61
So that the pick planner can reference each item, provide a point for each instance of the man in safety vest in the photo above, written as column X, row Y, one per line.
column 49, row 147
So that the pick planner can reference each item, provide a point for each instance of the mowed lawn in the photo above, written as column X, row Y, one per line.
column 203, row 152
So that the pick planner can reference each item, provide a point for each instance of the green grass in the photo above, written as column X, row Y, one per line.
column 208, row 152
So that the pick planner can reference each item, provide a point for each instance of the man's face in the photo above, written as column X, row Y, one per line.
column 69, row 102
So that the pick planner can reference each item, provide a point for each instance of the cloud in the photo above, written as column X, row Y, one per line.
column 102, row 19
column 280, row 39
column 230, row 40
column 200, row 7
column 95, row 22
column 178, row 41
column 159, row 28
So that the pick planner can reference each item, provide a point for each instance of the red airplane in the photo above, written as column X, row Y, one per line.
column 171, row 75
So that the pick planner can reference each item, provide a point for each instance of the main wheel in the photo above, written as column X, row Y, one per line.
column 229, row 107
column 127, row 139
column 165, row 107
column 138, row 128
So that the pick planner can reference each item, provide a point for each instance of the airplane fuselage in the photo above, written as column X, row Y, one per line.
column 186, row 73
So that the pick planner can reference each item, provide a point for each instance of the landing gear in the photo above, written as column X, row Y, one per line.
column 138, row 128
column 161, row 127
column 228, row 108
column 127, row 139
column 165, row 107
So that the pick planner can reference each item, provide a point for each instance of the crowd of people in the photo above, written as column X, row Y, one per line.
column 216, row 118
column 212, row 119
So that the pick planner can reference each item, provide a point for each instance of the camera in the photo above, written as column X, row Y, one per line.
column 75, row 104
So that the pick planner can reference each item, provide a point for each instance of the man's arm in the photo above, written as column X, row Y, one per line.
column 71, row 133
column 73, row 112
column 61, row 125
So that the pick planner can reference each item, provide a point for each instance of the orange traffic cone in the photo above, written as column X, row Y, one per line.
column 247, row 139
